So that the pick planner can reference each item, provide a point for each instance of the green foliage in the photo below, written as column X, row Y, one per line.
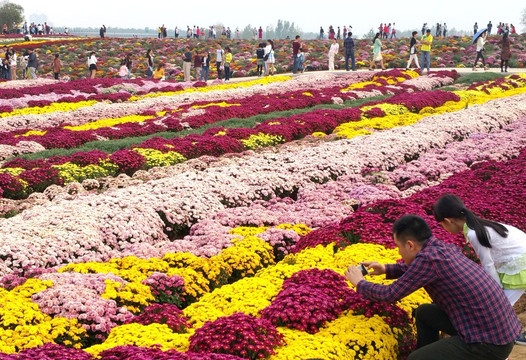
column 468, row 79
column 110, row 146
column 11, row 13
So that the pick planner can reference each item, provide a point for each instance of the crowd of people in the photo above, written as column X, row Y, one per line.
column 264, row 53
column 28, row 29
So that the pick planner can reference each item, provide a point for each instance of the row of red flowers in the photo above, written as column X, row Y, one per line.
column 39, row 174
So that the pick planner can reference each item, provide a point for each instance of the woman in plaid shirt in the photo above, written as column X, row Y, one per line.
column 468, row 304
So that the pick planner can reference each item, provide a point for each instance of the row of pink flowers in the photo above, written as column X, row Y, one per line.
column 135, row 220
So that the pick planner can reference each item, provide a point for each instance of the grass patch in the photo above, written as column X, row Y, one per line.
column 475, row 77
column 110, row 146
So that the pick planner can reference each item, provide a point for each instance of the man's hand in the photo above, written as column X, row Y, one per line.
column 354, row 275
column 377, row 268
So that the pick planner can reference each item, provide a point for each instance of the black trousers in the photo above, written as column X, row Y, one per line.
column 480, row 55
column 430, row 320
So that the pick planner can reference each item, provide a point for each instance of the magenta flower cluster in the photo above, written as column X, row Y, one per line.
column 372, row 224
column 238, row 334
column 309, row 299
column 167, row 314
column 166, row 289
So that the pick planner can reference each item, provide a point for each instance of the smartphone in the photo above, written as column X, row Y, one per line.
column 363, row 269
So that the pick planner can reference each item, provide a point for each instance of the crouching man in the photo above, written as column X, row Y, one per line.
column 468, row 304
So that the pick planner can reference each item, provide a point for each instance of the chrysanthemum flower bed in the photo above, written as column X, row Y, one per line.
column 241, row 256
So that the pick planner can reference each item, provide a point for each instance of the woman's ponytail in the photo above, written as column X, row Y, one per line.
column 451, row 206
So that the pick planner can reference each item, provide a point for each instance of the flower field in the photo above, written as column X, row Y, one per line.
column 451, row 52
column 177, row 220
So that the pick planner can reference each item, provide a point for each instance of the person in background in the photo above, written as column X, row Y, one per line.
column 489, row 27
column 92, row 65
column 198, row 65
column 475, row 28
column 219, row 59
column 413, row 52
column 57, row 66
column 481, row 41
column 23, row 65
column 468, row 304
column 206, row 66
column 333, row 51
column 128, row 62
column 425, row 57
column 501, row 248
column 260, row 52
column 513, row 30
column 12, row 63
column 393, row 31
column 269, row 55
column 296, row 44
column 444, row 30
column 301, row 60
column 228, row 61
column 187, row 63
column 32, row 63
column 505, row 53
column 149, row 63
column 159, row 73
column 123, row 70
column 377, row 52
column 5, row 67
column 349, row 52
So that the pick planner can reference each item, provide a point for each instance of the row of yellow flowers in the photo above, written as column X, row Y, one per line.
column 250, row 260
column 63, row 107
column 399, row 115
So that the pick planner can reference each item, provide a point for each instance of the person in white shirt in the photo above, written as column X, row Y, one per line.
column 12, row 63
column 269, row 58
column 481, row 41
column 501, row 248
column 92, row 64
column 335, row 47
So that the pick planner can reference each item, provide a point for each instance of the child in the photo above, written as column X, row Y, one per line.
column 123, row 70
column 23, row 65
column 500, row 248
column 57, row 64
column 159, row 73
column 260, row 52
column 301, row 60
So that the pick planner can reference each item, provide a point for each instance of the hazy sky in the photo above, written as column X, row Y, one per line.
column 309, row 15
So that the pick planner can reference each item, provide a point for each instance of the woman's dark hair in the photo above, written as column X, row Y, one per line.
column 451, row 206
column 160, row 66
column 411, row 227
column 56, row 56
column 376, row 37
column 148, row 52
column 271, row 43
column 414, row 33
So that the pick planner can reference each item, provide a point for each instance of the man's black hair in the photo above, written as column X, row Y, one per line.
column 411, row 227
